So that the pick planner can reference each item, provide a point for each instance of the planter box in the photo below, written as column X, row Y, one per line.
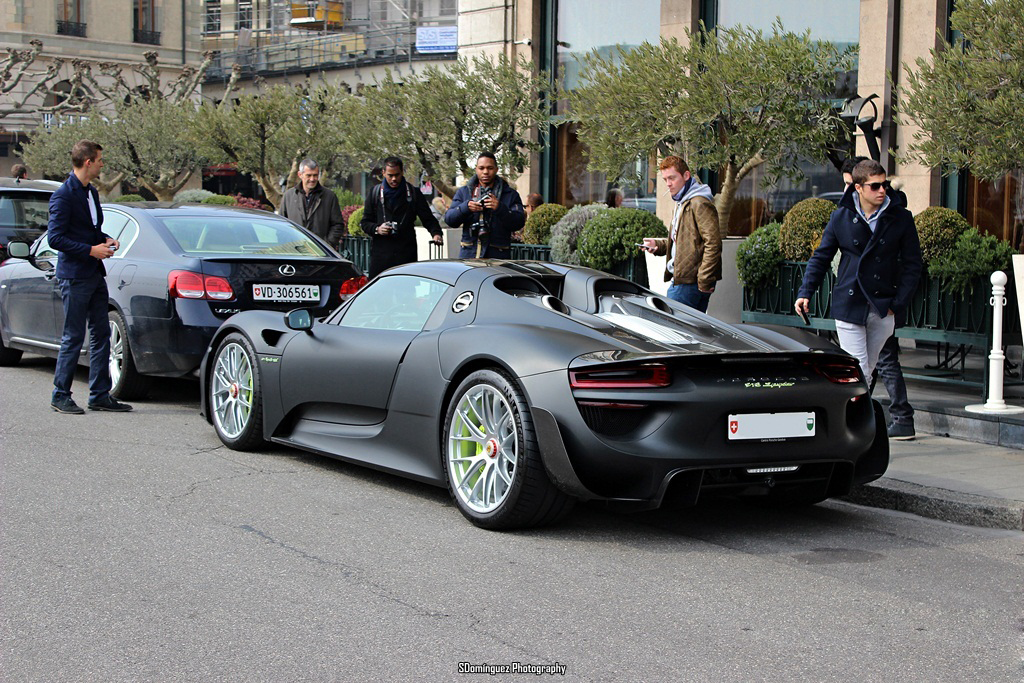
column 634, row 269
column 961, row 320
column 356, row 250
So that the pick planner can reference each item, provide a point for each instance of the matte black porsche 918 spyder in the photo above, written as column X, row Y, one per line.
column 524, row 386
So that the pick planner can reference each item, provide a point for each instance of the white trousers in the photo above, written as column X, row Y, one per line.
column 865, row 342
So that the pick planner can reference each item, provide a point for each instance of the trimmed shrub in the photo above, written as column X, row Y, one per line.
column 125, row 198
column 802, row 227
column 538, row 225
column 346, row 214
column 347, row 197
column 758, row 258
column 938, row 229
column 250, row 203
column 972, row 256
column 565, row 234
column 192, row 196
column 220, row 199
column 354, row 228
column 611, row 237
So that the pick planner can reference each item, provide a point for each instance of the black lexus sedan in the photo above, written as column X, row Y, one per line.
column 181, row 270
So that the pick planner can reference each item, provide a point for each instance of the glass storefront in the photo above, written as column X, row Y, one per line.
column 583, row 27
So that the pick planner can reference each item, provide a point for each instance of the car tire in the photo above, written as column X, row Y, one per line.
column 491, row 458
column 126, row 382
column 235, row 398
column 8, row 356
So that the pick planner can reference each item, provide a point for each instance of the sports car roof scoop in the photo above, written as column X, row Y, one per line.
column 648, row 329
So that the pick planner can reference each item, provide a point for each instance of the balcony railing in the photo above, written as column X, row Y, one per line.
column 70, row 28
column 147, row 37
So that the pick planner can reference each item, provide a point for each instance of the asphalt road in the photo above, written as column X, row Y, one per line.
column 137, row 548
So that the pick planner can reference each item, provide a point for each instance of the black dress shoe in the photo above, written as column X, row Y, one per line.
column 67, row 406
column 110, row 404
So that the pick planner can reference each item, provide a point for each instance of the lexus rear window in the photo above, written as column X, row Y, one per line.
column 200, row 235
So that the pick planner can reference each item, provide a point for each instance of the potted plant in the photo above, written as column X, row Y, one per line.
column 608, row 242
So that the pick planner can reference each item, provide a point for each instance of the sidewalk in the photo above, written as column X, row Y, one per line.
column 976, row 478
column 957, row 481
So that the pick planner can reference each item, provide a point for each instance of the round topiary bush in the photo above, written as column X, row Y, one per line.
column 971, row 257
column 611, row 237
column 354, row 229
column 938, row 229
column 192, row 196
column 346, row 214
column 802, row 227
column 565, row 234
column 220, row 199
column 538, row 226
column 758, row 258
column 125, row 198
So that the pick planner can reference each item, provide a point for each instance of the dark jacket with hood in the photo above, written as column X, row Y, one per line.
column 877, row 270
column 323, row 216
column 503, row 221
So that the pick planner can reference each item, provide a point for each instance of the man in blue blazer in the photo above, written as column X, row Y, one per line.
column 879, row 267
column 75, row 231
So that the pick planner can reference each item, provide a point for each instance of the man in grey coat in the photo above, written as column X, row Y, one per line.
column 313, row 206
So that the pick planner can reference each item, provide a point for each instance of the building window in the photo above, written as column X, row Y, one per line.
column 144, row 22
column 212, row 20
column 70, row 20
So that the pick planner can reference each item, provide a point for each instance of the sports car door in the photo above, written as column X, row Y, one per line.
column 343, row 371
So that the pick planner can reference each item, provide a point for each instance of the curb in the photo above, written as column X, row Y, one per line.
column 941, row 504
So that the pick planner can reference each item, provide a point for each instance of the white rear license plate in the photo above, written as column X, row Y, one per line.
column 771, row 426
column 286, row 292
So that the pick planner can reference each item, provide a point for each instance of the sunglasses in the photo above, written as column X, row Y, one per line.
column 875, row 187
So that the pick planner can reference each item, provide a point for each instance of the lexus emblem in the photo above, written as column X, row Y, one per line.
column 462, row 302
column 287, row 269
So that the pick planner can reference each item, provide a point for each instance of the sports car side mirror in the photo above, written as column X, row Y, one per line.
column 299, row 319
column 17, row 249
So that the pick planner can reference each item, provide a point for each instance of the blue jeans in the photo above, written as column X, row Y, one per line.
column 891, row 374
column 85, row 301
column 487, row 251
column 690, row 295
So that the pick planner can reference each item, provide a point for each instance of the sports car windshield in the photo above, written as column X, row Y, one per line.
column 200, row 235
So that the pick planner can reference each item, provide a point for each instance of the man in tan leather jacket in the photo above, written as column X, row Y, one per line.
column 694, row 244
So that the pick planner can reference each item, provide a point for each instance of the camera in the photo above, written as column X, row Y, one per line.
column 483, row 224
column 392, row 226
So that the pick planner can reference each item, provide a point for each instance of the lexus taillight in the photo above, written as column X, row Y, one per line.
column 183, row 284
column 352, row 285
column 647, row 376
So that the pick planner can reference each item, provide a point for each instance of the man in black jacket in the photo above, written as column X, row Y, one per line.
column 313, row 206
column 879, row 268
column 389, row 218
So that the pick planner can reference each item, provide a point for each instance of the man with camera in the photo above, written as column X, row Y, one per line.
column 389, row 218
column 488, row 211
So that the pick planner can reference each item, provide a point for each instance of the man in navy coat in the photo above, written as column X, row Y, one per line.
column 75, row 231
column 879, row 267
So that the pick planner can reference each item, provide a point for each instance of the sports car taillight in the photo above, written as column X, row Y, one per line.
column 352, row 285
column 183, row 284
column 647, row 376
column 840, row 373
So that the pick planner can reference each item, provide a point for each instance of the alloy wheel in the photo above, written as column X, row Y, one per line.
column 482, row 448
column 231, row 390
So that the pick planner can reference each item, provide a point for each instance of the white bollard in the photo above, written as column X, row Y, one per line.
column 995, row 402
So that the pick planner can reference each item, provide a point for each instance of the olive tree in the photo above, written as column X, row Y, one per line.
column 968, row 98
column 730, row 100
column 441, row 118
